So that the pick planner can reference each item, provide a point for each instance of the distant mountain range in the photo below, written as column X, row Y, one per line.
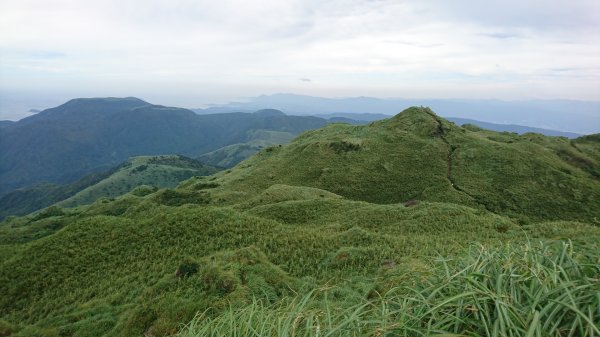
column 582, row 117
column 53, row 155
column 520, row 129
column 83, row 136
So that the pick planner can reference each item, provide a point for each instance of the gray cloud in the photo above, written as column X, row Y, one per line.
column 193, row 50
column 501, row 36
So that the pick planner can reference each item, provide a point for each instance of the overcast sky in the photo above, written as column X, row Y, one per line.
column 193, row 52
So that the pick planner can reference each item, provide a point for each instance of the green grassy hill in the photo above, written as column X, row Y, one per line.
column 151, row 171
column 347, row 231
column 26, row 200
column 417, row 155
column 232, row 155
column 154, row 171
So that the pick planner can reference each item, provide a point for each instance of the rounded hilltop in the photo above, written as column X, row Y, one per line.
column 417, row 155
column 420, row 121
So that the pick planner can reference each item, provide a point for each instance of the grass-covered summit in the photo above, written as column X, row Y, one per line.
column 418, row 155
column 410, row 226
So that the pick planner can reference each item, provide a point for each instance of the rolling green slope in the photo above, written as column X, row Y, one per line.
column 143, row 265
column 27, row 200
column 391, row 228
column 152, row 171
column 418, row 155
column 155, row 171
column 231, row 155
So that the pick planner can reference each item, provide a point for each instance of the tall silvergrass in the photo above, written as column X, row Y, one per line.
column 530, row 290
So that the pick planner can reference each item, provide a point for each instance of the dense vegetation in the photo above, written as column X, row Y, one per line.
column 512, row 291
column 411, row 226
column 154, row 171
column 150, row 171
column 27, row 200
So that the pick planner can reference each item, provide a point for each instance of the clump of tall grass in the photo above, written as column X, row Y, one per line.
column 531, row 290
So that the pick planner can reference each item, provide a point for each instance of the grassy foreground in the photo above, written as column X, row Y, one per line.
column 531, row 290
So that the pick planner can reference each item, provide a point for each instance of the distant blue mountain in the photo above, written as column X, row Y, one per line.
column 367, row 117
column 6, row 124
column 86, row 135
column 581, row 117
column 520, row 129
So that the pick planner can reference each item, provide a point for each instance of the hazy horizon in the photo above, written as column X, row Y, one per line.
column 16, row 106
column 193, row 53
column 571, row 116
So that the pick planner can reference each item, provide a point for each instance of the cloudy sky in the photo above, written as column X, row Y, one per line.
column 194, row 52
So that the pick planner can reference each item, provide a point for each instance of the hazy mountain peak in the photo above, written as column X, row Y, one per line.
column 92, row 106
column 106, row 100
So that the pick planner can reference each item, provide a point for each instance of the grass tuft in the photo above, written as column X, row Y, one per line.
column 531, row 290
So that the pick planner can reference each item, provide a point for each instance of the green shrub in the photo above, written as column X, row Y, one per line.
column 186, row 269
column 344, row 146
column 6, row 328
column 139, row 169
column 170, row 197
column 48, row 212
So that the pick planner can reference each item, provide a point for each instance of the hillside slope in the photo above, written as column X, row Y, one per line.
column 146, row 263
column 418, row 155
column 154, row 171
column 337, row 220
column 151, row 171
column 231, row 155
column 26, row 200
